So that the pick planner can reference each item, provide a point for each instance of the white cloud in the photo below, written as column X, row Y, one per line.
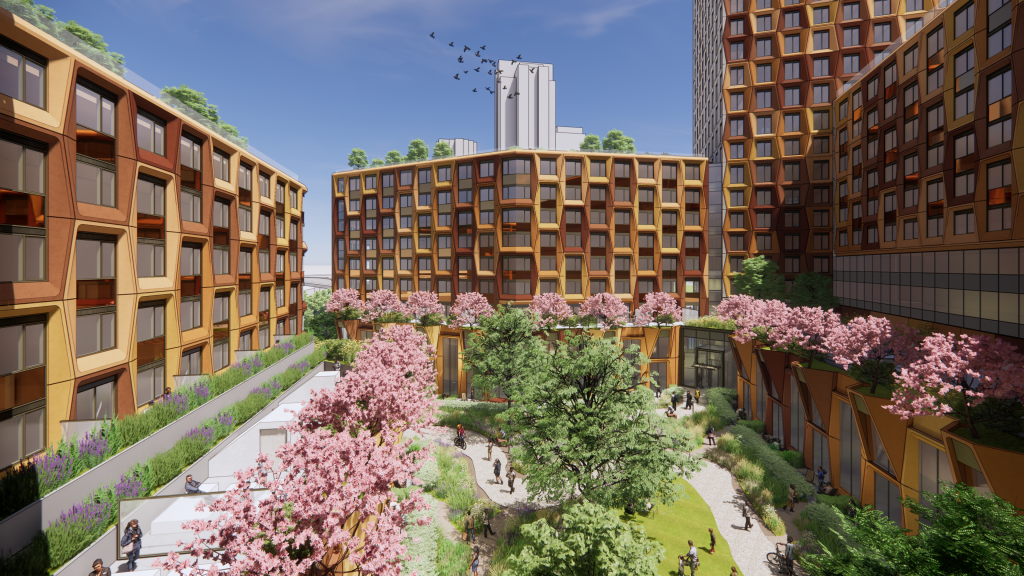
column 589, row 23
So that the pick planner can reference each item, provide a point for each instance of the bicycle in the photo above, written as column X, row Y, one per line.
column 460, row 442
column 777, row 560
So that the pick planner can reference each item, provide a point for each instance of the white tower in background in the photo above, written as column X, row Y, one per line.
column 524, row 109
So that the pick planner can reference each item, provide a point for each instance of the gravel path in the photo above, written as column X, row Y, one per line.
column 749, row 548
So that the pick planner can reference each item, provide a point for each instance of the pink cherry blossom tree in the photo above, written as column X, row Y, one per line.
column 470, row 307
column 870, row 347
column 952, row 374
column 805, row 329
column 659, row 308
column 384, row 306
column 607, row 309
column 550, row 310
column 329, row 504
column 346, row 304
column 425, row 308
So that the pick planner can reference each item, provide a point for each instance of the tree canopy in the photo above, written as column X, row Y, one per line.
column 71, row 32
column 376, row 163
column 357, row 158
column 393, row 157
column 318, row 321
column 443, row 150
column 591, row 540
column 197, row 101
column 591, row 142
column 814, row 290
column 504, row 354
column 418, row 150
column 586, row 429
column 616, row 140
column 760, row 279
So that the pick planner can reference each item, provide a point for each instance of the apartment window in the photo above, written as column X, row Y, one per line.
column 851, row 36
column 821, row 16
column 764, row 47
column 963, row 145
column 791, row 171
column 910, row 166
column 791, row 44
column 851, row 63
column 1000, row 39
column 791, row 146
column 851, row 11
column 792, row 70
column 764, row 124
column 883, row 32
column 736, row 127
column 764, row 73
column 221, row 260
column 821, row 120
column 821, row 40
column 963, row 222
column 963, row 20
column 821, row 94
column 96, row 400
column 736, row 77
column 191, row 205
column 764, row 242
column 150, row 133
column 764, row 149
column 736, row 27
column 598, row 168
column 279, row 261
column 963, row 102
column 192, row 362
column 792, row 122
column 910, row 230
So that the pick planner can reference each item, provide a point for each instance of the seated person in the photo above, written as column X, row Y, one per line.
column 191, row 486
column 670, row 412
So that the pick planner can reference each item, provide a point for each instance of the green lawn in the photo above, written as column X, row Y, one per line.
column 686, row 519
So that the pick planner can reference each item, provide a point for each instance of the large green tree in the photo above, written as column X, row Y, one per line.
column 393, row 157
column 376, row 163
column 418, row 150
column 197, row 101
column 616, row 140
column 588, row 430
column 760, row 279
column 590, row 541
column 357, row 158
column 505, row 353
column 443, row 150
column 319, row 322
column 813, row 290
column 591, row 142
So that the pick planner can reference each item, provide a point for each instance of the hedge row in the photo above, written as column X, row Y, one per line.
column 79, row 527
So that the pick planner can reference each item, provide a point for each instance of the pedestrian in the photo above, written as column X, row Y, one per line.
column 689, row 401
column 470, row 528
column 692, row 556
column 511, row 475
column 490, row 446
column 497, row 471
column 675, row 400
column 131, row 544
column 792, row 497
column 476, row 559
column 747, row 513
column 821, row 478
column 337, row 365
column 734, row 572
column 488, row 514
column 712, row 532
column 657, row 390
column 191, row 486
column 697, row 395
column 711, row 435
column 98, row 569
column 789, row 553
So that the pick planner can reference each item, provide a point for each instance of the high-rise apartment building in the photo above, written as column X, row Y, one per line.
column 518, row 223
column 925, row 221
column 136, row 244
column 765, row 108
column 524, row 109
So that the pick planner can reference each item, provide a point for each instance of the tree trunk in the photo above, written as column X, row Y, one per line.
column 970, row 420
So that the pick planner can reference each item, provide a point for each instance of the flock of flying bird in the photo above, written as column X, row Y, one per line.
column 493, row 71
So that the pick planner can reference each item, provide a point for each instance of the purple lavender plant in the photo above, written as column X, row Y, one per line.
column 301, row 366
column 128, row 487
column 269, row 389
column 53, row 469
column 202, row 390
column 287, row 347
column 86, row 516
column 178, row 402
column 226, row 419
column 93, row 445
column 204, row 433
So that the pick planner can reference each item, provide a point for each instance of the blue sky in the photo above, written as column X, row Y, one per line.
column 321, row 78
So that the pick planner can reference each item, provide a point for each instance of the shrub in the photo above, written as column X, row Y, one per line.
column 775, row 467
column 421, row 542
column 755, row 425
column 724, row 401
column 823, row 526
column 343, row 351
column 840, row 502
column 793, row 458
column 728, row 443
column 453, row 558
column 480, row 417
column 712, row 321
column 748, row 470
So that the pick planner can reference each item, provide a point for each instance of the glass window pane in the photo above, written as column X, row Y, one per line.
column 108, row 330
column 35, row 258
column 145, row 324
column 34, row 83
column 87, row 334
column 87, row 108
column 35, row 425
column 105, row 401
column 108, row 188
column 108, row 117
column 10, row 338
column 108, row 259
column 158, row 137
column 144, row 127
column 35, row 345
column 87, row 183
column 10, row 73
column 87, row 259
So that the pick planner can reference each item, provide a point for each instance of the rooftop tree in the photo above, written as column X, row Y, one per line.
column 384, row 306
column 330, row 498
column 591, row 142
column 952, row 374
column 357, row 159
column 550, row 310
column 345, row 302
column 376, row 163
column 606, row 309
column 659, row 308
column 443, row 150
column 813, row 290
column 417, row 150
column 425, row 308
column 470, row 308
column 393, row 157
column 317, row 320
column 587, row 430
column 616, row 140
column 869, row 347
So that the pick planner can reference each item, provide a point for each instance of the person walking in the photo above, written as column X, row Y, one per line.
column 712, row 532
column 692, row 557
column 792, row 497
column 490, row 446
column 711, row 435
column 488, row 514
column 821, row 478
column 98, row 569
column 497, row 471
column 747, row 513
column 191, row 486
column 697, row 395
column 788, row 553
column 675, row 400
column 475, row 564
column 131, row 544
column 511, row 475
column 689, row 401
column 470, row 527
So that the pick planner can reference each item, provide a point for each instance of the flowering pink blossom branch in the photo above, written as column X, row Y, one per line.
column 384, row 305
column 424, row 304
column 607, row 309
column 659, row 308
column 952, row 374
column 346, row 303
column 470, row 307
column 330, row 503
column 873, row 344
column 550, row 309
